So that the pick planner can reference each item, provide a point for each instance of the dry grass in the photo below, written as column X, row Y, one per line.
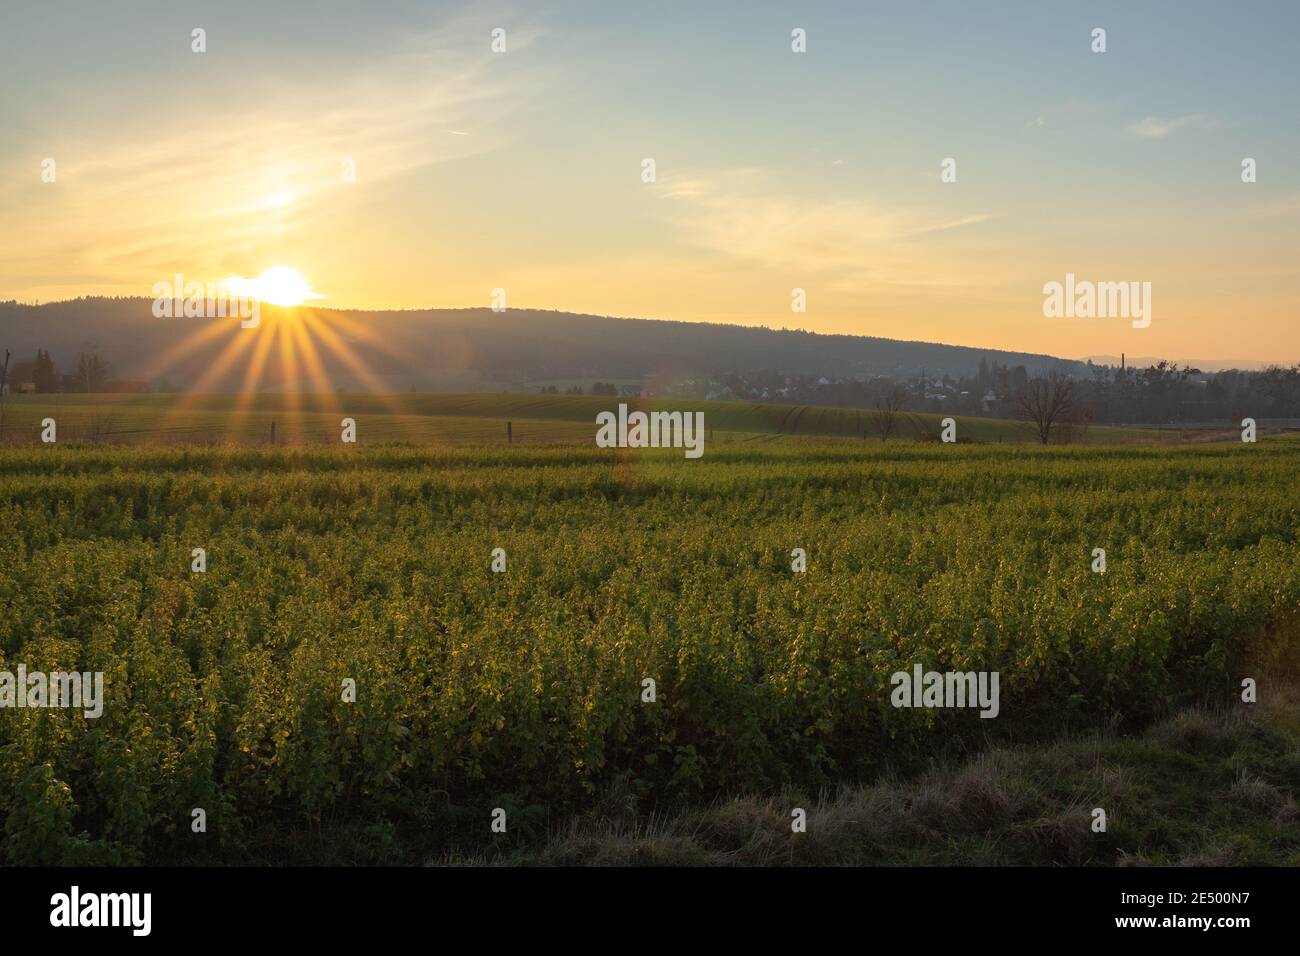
column 1201, row 788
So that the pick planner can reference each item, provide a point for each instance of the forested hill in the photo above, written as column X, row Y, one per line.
column 446, row 348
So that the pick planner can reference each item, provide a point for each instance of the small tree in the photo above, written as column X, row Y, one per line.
column 887, row 408
column 92, row 372
column 1046, row 401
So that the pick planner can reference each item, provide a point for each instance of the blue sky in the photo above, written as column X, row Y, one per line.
column 775, row 170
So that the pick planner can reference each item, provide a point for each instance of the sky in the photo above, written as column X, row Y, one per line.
column 774, row 170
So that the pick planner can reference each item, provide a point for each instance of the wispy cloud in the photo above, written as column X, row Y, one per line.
column 1157, row 127
column 223, row 183
column 953, row 223
column 853, row 243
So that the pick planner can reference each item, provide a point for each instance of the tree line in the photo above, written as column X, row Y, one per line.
column 1163, row 393
column 90, row 374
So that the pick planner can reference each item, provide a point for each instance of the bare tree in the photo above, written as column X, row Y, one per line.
column 92, row 372
column 887, row 408
column 1046, row 401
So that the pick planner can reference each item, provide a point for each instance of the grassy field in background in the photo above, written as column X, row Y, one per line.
column 464, row 419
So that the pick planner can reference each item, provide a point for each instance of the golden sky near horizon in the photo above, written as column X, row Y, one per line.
column 775, row 170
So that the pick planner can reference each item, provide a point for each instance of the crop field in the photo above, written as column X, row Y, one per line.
column 524, row 688
column 462, row 420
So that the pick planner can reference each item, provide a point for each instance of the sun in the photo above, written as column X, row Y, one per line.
column 278, row 285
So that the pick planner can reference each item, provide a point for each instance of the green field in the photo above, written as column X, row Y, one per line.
column 462, row 420
column 523, row 690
